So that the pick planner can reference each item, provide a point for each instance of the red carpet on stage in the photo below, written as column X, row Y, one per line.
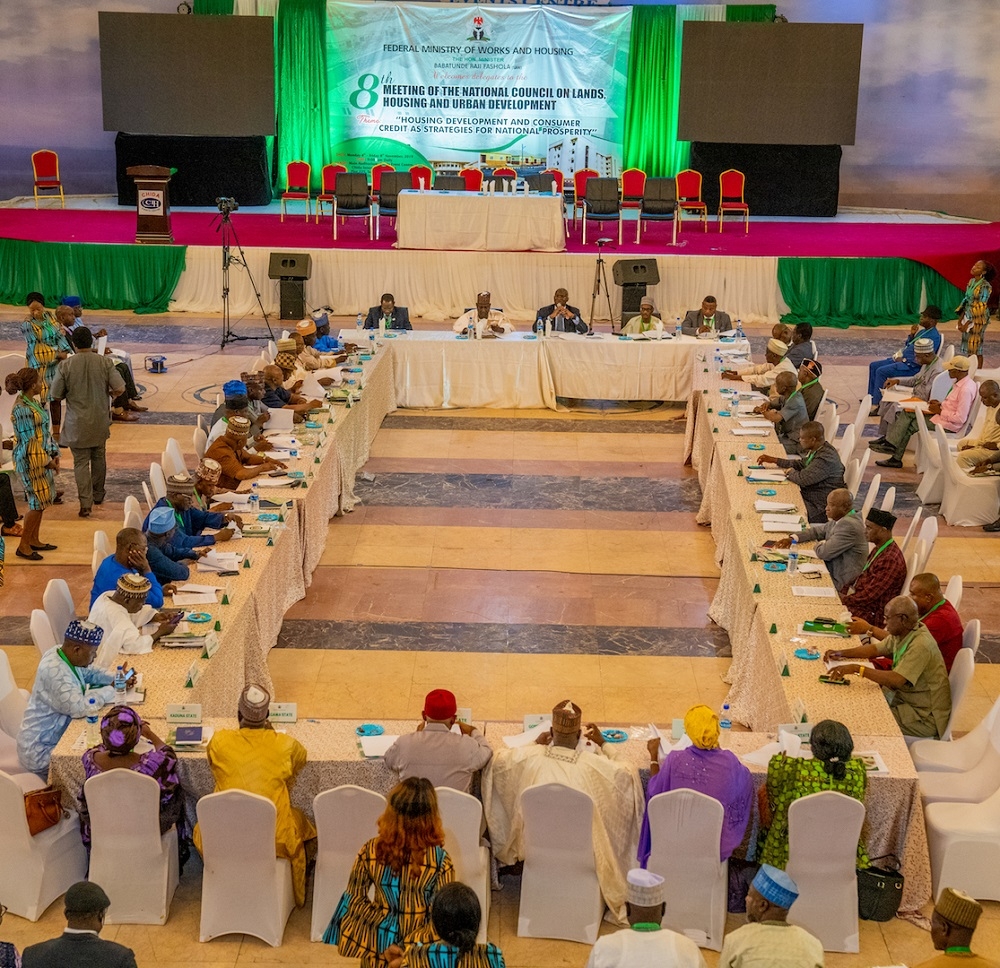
column 949, row 247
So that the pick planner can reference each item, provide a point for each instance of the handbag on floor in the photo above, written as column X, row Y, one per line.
column 880, row 890
column 43, row 809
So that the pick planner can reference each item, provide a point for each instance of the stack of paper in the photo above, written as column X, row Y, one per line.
column 747, row 432
column 766, row 477
column 755, row 423
column 375, row 746
column 781, row 523
column 762, row 504
column 529, row 735
column 190, row 594
column 220, row 561
column 815, row 591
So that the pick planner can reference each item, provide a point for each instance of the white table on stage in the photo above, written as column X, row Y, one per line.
column 480, row 221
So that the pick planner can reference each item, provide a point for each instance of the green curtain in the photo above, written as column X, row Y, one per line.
column 213, row 6
column 750, row 12
column 300, row 69
column 137, row 277
column 861, row 292
column 650, row 140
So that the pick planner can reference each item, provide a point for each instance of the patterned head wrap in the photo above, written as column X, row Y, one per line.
column 161, row 520
column 209, row 470
column 180, row 484
column 238, row 428
column 85, row 633
column 136, row 586
column 702, row 727
column 255, row 703
column 566, row 717
column 120, row 729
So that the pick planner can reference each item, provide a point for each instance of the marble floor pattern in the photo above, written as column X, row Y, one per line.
column 514, row 557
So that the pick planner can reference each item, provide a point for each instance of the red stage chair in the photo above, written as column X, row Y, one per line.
column 580, row 177
column 504, row 172
column 377, row 171
column 554, row 175
column 328, row 180
column 633, row 182
column 297, row 176
column 473, row 178
column 731, row 185
column 45, row 166
column 421, row 171
column 688, row 184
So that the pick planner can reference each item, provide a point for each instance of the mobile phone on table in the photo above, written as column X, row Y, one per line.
column 830, row 681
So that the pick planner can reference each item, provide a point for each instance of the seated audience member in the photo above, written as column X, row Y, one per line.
column 122, row 614
column 989, row 466
column 934, row 610
column 455, row 918
column 883, row 573
column 904, row 361
column 62, row 679
column 166, row 561
column 781, row 332
column 817, row 470
column 768, row 938
column 483, row 320
column 706, row 768
column 121, row 728
column 286, row 360
column 916, row 686
column 323, row 369
column 984, row 447
column 950, row 413
column 802, row 346
column 434, row 751
column 235, row 463
column 708, row 319
column 812, row 391
column 192, row 521
column 790, row 777
column 80, row 946
column 842, row 544
column 394, row 879
column 561, row 756
column 259, row 760
column 645, row 943
column 762, row 375
column 953, row 924
column 256, row 411
column 396, row 317
column 647, row 319
column 129, row 556
column 206, row 479
column 920, row 386
column 326, row 343
column 235, row 403
column 560, row 315
column 786, row 409
column 276, row 397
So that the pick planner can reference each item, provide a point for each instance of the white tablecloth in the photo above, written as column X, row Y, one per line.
column 470, row 220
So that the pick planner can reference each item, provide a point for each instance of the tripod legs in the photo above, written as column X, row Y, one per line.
column 600, row 277
column 229, row 236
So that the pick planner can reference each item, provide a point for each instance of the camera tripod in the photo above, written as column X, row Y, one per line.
column 230, row 238
column 601, row 275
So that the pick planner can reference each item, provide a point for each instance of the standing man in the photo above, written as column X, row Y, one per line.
column 561, row 316
column 483, row 320
column 396, row 317
column 708, row 319
column 87, row 382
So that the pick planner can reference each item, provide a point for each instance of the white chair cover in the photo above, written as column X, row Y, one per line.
column 914, row 521
column 157, row 481
column 175, row 458
column 973, row 785
column 12, row 703
column 852, row 477
column 863, row 410
column 462, row 818
column 101, row 542
column 57, row 600
column 964, row 840
column 869, row 502
column 954, row 591
column 95, row 563
column 931, row 486
column 967, row 501
column 200, row 441
column 962, row 671
column 41, row 630
column 971, row 635
column 845, row 446
column 889, row 499
column 959, row 755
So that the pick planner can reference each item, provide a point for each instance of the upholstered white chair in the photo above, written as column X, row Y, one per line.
column 57, row 600
column 959, row 755
column 462, row 819
column 964, row 841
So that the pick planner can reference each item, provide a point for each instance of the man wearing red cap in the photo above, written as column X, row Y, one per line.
column 434, row 751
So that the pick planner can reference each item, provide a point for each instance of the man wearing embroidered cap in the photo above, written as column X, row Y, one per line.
column 235, row 463
column 190, row 520
column 904, row 361
column 883, row 573
column 761, row 376
column 256, row 410
column 235, row 403
column 483, row 320
column 285, row 359
column 647, row 319
column 769, row 940
column 810, row 372
column 164, row 559
column 919, row 385
column 435, row 751
column 257, row 759
column 122, row 613
column 952, row 926
column 586, row 763
column 62, row 680
column 645, row 944
column 206, row 479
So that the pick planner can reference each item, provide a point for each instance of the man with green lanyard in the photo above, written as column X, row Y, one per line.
column 786, row 409
column 59, row 694
column 809, row 386
column 883, row 574
column 645, row 943
column 916, row 686
column 952, row 925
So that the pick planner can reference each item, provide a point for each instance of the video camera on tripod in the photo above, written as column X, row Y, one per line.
column 227, row 206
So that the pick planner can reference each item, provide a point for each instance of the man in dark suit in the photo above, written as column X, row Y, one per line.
column 708, row 319
column 396, row 317
column 80, row 946
column 562, row 317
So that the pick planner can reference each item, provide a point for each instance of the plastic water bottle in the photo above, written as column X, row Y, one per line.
column 718, row 362
column 548, row 326
column 254, row 499
column 359, row 325
column 121, row 689
column 93, row 726
column 793, row 562
column 739, row 329
column 293, row 450
column 725, row 726
column 678, row 329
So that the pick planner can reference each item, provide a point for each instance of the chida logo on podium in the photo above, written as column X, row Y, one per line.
column 151, row 202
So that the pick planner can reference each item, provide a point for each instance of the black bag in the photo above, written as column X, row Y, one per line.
column 880, row 891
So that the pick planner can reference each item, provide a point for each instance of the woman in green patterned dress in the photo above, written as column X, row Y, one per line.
column 974, row 312
column 788, row 778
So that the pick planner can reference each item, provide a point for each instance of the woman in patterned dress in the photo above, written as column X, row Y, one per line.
column 46, row 346
column 973, row 312
column 788, row 778
column 36, row 458
column 405, row 865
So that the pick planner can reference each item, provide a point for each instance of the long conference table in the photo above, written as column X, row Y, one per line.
column 758, row 608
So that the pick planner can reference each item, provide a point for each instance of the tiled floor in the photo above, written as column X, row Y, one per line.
column 513, row 557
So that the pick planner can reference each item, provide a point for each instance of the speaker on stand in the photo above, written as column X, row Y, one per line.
column 291, row 269
column 633, row 275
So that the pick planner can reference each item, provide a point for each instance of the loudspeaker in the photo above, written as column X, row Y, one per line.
column 292, row 298
column 629, row 272
column 289, row 265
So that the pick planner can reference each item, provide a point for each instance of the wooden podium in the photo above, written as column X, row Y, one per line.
column 152, row 203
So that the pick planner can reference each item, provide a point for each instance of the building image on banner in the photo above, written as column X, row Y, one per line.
column 453, row 86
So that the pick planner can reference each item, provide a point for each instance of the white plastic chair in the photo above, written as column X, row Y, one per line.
column 462, row 819
column 280, row 419
column 964, row 840
column 914, row 521
column 954, row 591
column 95, row 563
column 960, row 755
column 823, row 832
column 967, row 501
column 852, row 476
column 57, row 600
column 137, row 867
column 888, row 500
column 200, row 440
column 971, row 635
column 845, row 446
column 245, row 888
column 147, row 497
column 272, row 350
column 346, row 818
column 560, row 894
column 873, row 485
column 157, row 481
column 35, row 870
column 862, row 416
column 174, row 458
column 940, row 387
column 962, row 671
column 41, row 630
column 973, row 367
column 863, row 459
column 685, row 832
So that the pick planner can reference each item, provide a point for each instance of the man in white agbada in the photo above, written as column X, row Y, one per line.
column 122, row 614
column 585, row 764
column 483, row 321
column 645, row 943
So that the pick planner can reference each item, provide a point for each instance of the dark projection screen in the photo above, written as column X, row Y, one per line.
column 173, row 74
column 777, row 84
